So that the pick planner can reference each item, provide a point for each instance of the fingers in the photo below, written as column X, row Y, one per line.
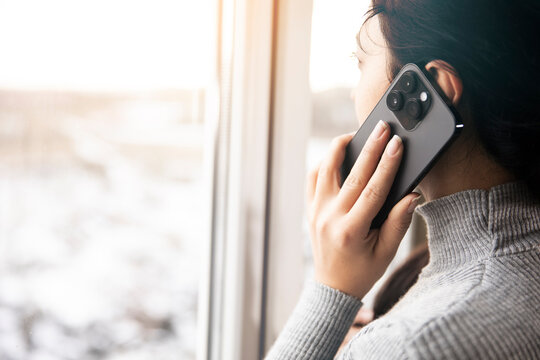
column 328, row 176
column 364, row 166
column 396, row 225
column 374, row 194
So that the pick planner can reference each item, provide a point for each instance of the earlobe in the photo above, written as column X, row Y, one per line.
column 447, row 79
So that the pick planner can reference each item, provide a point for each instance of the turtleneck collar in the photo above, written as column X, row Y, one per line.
column 471, row 225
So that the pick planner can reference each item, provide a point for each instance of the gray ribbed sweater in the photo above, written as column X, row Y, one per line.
column 478, row 298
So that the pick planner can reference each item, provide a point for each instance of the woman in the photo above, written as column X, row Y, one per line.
column 479, row 295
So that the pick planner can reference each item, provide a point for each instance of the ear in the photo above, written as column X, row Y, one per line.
column 447, row 79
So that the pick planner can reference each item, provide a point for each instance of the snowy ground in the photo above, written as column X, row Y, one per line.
column 100, row 224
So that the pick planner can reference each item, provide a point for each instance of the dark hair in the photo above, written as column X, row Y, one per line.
column 493, row 46
column 400, row 281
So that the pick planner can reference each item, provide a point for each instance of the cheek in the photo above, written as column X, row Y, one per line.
column 367, row 94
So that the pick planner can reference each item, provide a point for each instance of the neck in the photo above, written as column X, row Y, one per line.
column 465, row 165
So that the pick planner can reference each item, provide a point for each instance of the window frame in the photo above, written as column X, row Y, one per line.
column 237, row 169
column 292, row 117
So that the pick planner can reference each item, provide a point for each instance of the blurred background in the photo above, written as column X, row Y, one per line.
column 102, row 135
column 101, row 139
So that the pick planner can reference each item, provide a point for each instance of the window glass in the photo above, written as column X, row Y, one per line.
column 101, row 138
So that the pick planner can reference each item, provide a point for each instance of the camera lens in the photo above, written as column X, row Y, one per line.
column 394, row 100
column 408, row 82
column 413, row 108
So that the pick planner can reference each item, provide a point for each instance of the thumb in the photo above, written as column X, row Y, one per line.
column 396, row 225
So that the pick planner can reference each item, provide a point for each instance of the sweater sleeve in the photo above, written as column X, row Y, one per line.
column 317, row 326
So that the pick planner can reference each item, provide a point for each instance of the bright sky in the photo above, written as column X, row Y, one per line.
column 105, row 44
column 146, row 44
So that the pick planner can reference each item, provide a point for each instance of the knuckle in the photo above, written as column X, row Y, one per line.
column 324, row 171
column 335, row 143
column 354, row 180
column 322, row 226
column 374, row 193
column 339, row 141
column 347, row 236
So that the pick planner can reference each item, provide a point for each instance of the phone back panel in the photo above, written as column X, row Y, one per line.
column 422, row 145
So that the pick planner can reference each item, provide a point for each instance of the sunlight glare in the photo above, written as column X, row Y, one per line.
column 105, row 45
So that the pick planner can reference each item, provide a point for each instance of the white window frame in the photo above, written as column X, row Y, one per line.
column 240, row 130
column 292, row 116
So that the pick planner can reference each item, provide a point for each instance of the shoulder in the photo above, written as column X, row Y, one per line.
column 494, row 314
column 499, row 318
column 480, row 328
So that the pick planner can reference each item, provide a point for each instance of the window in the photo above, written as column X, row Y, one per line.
column 102, row 114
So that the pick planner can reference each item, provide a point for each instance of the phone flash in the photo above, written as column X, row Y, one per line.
column 423, row 96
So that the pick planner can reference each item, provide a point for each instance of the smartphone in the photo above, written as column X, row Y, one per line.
column 426, row 123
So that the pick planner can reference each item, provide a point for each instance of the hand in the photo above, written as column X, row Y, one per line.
column 348, row 255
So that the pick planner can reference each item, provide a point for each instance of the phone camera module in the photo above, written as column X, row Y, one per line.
column 408, row 82
column 394, row 100
column 410, row 99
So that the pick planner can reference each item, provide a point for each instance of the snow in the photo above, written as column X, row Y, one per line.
column 100, row 223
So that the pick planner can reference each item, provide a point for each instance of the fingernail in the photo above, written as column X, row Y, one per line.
column 393, row 146
column 413, row 204
column 379, row 129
